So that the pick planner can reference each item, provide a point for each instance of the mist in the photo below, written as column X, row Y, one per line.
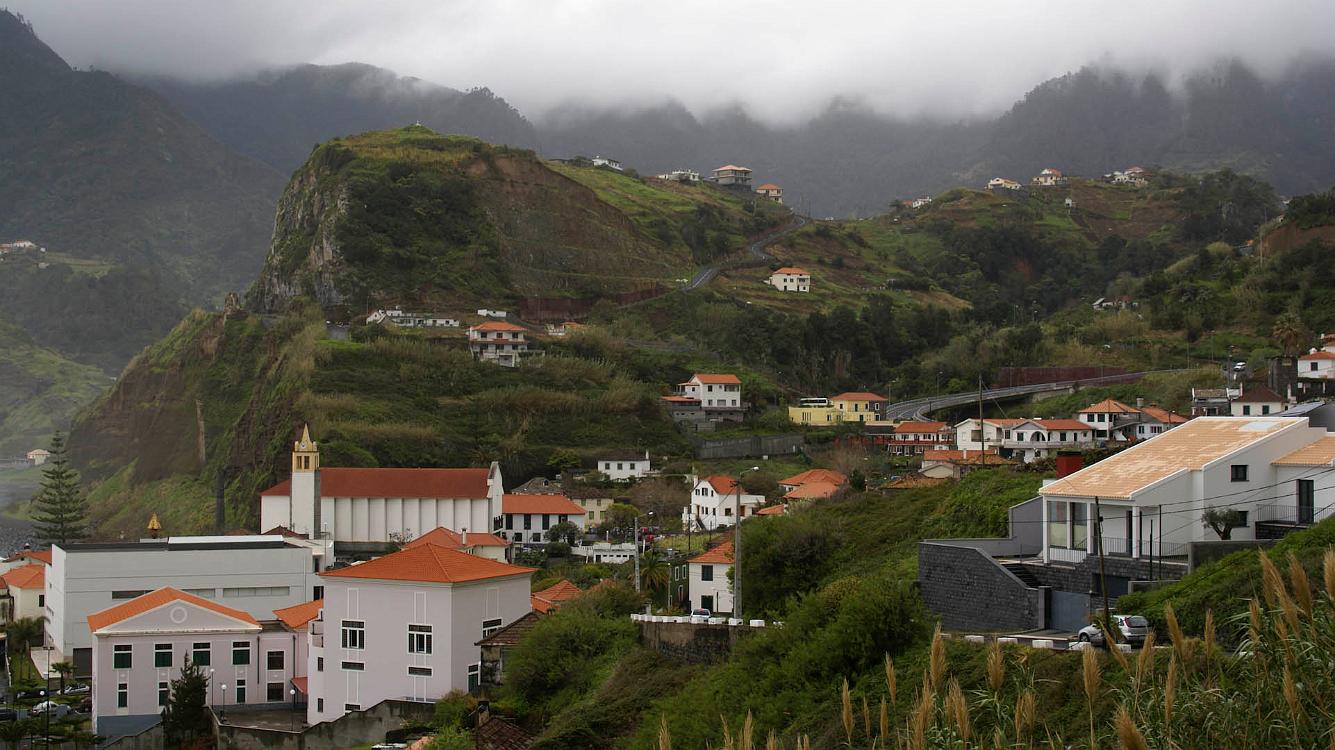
column 782, row 62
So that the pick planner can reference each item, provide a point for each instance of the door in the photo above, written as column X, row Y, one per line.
column 1130, row 519
column 1306, row 501
column 707, row 602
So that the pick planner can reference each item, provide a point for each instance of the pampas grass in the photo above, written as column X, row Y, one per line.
column 846, row 713
column 1128, row 735
column 937, row 660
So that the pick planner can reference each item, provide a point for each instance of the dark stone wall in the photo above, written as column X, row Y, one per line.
column 691, row 643
column 970, row 591
column 1080, row 577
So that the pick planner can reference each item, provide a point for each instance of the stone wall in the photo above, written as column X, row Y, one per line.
column 691, row 643
column 747, row 447
column 970, row 591
column 148, row 739
column 367, row 727
column 1200, row 553
column 1081, row 577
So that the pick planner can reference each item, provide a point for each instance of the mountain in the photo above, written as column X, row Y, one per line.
column 40, row 390
column 277, row 116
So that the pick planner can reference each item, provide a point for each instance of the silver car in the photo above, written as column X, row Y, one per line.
column 1132, row 628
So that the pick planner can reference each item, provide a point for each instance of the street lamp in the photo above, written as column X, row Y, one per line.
column 46, row 717
column 293, row 693
column 737, row 545
column 212, row 686
column 637, row 549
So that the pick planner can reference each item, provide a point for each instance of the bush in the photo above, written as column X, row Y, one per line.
column 559, row 659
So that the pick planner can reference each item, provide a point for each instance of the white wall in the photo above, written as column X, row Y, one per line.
column 622, row 470
column 720, row 588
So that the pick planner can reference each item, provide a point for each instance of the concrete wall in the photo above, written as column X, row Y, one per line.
column 146, row 739
column 970, row 591
column 1026, row 533
column 367, row 727
column 745, row 447
column 691, row 643
column 1201, row 553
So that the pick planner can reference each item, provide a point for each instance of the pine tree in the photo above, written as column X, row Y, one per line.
column 185, row 717
column 60, row 512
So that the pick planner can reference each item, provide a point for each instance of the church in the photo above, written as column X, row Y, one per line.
column 355, row 505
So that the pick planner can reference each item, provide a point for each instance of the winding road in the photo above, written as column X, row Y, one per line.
column 919, row 407
column 756, row 251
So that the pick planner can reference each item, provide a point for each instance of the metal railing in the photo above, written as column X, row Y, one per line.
column 1290, row 513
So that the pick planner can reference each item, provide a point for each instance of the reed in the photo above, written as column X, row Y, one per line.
column 937, row 660
column 1302, row 587
column 846, row 713
column 664, row 739
column 1169, row 698
column 996, row 667
column 1026, row 708
column 1175, row 633
column 1092, row 676
column 890, row 678
column 957, row 710
column 866, row 717
column 744, row 740
column 1209, row 642
column 1128, row 736
column 884, row 721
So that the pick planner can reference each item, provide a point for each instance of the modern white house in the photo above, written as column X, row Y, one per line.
column 1001, row 183
column 1257, row 401
column 790, row 279
column 1269, row 469
column 624, row 467
column 714, row 500
column 140, row 646
column 375, row 505
column 1049, row 177
column 720, row 395
column 23, row 592
column 526, row 518
column 253, row 574
column 1024, row 439
column 914, row 438
column 604, row 161
column 708, row 583
column 681, row 175
column 731, row 174
column 499, row 342
column 406, row 626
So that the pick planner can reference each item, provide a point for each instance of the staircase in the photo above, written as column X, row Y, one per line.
column 1021, row 571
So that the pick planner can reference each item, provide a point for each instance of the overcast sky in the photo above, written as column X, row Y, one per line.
column 782, row 60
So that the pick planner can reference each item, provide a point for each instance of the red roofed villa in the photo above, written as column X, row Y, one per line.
column 529, row 517
column 771, row 191
column 499, row 342
column 790, row 279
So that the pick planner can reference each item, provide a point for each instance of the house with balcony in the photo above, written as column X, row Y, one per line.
column 1025, row 440
column 714, row 501
column 499, row 342
column 914, row 438
column 718, row 395
column 1049, row 177
column 1001, row 183
column 771, row 191
column 790, row 279
column 731, row 174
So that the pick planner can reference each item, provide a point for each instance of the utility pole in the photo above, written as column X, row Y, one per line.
column 636, row 537
column 737, row 545
column 1103, row 580
column 982, row 428
column 1151, row 547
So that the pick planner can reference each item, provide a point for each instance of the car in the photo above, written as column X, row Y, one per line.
column 30, row 695
column 76, row 689
column 1239, row 367
column 1132, row 629
column 58, row 710
column 701, row 615
column 8, row 714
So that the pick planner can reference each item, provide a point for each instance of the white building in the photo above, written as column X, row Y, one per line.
column 920, row 202
column 1257, row 401
column 603, row 161
column 623, row 468
column 1264, row 467
column 1318, row 364
column 771, row 191
column 713, row 501
column 1113, row 420
column 396, row 316
column 499, row 342
column 1024, row 439
column 374, row 505
column 731, row 174
column 437, row 601
column 790, row 279
column 23, row 592
column 708, row 582
column 606, row 552
column 1001, row 183
column 1048, row 178
column 38, row 456
column 528, row 517
column 681, row 175
column 720, row 395
column 254, row 574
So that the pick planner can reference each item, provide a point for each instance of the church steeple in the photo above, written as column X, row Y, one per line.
column 305, row 453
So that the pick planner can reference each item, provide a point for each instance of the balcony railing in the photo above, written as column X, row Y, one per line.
column 1290, row 513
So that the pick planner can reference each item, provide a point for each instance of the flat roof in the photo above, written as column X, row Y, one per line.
column 183, row 543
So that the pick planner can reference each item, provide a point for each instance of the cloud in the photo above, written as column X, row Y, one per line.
column 782, row 60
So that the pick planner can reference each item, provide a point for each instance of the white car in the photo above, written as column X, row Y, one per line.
column 701, row 615
column 58, row 710
column 1132, row 628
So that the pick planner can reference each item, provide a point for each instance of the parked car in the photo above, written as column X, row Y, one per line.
column 58, row 710
column 8, row 714
column 29, row 695
column 77, row 689
column 1132, row 628
column 701, row 615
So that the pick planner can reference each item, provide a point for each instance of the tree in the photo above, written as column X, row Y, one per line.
column 1222, row 521
column 565, row 532
column 13, row 732
column 60, row 511
column 563, row 460
column 185, row 716
column 620, row 518
column 1289, row 333
column 655, row 570
column 20, row 634
column 65, row 669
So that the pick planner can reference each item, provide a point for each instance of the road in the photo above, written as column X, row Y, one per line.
column 918, row 408
column 756, row 251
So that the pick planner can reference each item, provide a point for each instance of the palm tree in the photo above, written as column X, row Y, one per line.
column 21, row 633
column 1289, row 333
column 65, row 669
column 13, row 732
column 654, row 570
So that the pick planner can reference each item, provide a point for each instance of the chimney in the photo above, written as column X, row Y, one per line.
column 465, row 538
column 1069, row 462
column 1140, row 402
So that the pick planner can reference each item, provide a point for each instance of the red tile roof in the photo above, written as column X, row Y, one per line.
column 406, row 483
column 429, row 563
column 773, row 510
column 160, row 598
column 1259, row 394
column 813, row 491
column 496, row 325
column 1064, row 424
column 301, row 684
column 706, row 378
column 720, row 554
column 40, row 555
column 296, row 617
column 1163, row 415
column 920, row 427
column 451, row 539
column 1108, row 406
column 829, row 476
column 769, row 186
column 1317, row 355
column 552, row 597
column 732, row 167
column 723, row 485
column 792, row 270
column 859, row 396
column 31, row 576
column 556, row 504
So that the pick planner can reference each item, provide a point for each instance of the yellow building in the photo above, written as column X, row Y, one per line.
column 859, row 406
column 814, row 415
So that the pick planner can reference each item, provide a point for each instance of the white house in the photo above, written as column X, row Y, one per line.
column 606, row 552
column 528, row 517
column 23, row 592
column 406, row 625
column 1113, row 420
column 790, row 279
column 1318, row 364
column 253, row 574
column 681, row 175
column 38, row 456
column 373, row 505
column 624, row 467
column 731, row 174
column 920, row 202
column 603, row 161
column 708, row 582
column 1049, row 178
column 1001, row 183
column 720, row 395
column 771, row 191
column 499, row 342
column 713, row 500
column 1024, row 439
column 1257, row 401
column 912, row 437
column 1263, row 467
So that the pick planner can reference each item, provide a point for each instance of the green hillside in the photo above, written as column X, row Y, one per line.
column 40, row 391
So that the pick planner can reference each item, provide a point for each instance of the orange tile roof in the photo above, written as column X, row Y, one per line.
column 1320, row 453
column 496, row 325
column 1160, row 414
column 556, row 504
column 429, row 563
column 813, row 491
column 723, row 485
column 859, row 396
column 296, row 616
column 719, row 554
column 301, row 684
column 1108, row 406
column 160, row 598
column 451, row 539
column 1064, row 424
column 769, row 186
column 1259, row 394
column 773, row 510
column 732, row 167
column 829, row 476
column 31, row 576
column 715, row 379
column 40, row 555
column 1317, row 355
column 1181, row 449
column 920, row 427
column 552, row 597
column 793, row 270
column 404, row 483
column 540, row 606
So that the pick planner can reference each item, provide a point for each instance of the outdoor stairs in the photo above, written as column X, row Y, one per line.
column 1021, row 571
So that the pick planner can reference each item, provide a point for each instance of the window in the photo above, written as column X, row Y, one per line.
column 41, row 600
column 128, row 594
column 274, row 660
column 1238, row 472
column 509, row 521
column 255, row 591
column 354, row 666
column 274, row 692
column 201, row 654
column 352, row 707
column 241, row 691
column 1057, row 530
column 162, row 655
column 122, row 695
column 319, row 590
column 546, row 521
column 490, row 626
column 1265, row 409
column 240, row 652
column 122, row 657
column 1079, row 523
column 354, row 634
column 706, row 572
column 319, row 664
column 474, row 676
column 1306, row 501
column 1246, row 410
column 1242, row 519
column 419, row 639
column 419, row 671
column 163, row 689
column 528, row 521
column 319, row 705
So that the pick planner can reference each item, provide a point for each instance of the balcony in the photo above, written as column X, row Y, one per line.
column 1291, row 514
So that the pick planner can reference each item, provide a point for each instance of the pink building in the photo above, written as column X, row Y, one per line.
column 406, row 626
